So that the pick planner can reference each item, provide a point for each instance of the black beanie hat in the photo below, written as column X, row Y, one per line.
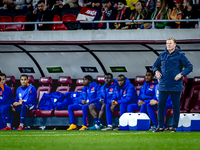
column 122, row 1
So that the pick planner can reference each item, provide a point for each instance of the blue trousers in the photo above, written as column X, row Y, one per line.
column 23, row 109
column 133, row 107
column 152, row 115
column 121, row 107
column 175, row 97
column 5, row 116
column 98, row 106
column 73, row 107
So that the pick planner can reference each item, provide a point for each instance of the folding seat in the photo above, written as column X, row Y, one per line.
column 10, row 80
column 100, row 80
column 66, row 81
column 31, row 79
column 56, row 18
column 4, row 19
column 69, row 17
column 45, row 87
column 16, row 27
column 139, row 81
column 79, row 85
column 58, row 26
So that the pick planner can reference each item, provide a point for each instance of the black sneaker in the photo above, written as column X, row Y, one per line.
column 173, row 130
column 116, row 129
column 159, row 130
column 107, row 128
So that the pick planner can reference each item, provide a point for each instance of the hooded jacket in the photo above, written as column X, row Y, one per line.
column 169, row 66
column 90, row 93
column 126, row 94
column 107, row 91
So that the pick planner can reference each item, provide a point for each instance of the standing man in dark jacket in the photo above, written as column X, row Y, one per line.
column 39, row 14
column 107, row 12
column 169, row 69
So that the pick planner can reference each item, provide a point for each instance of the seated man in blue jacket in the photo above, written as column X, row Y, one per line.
column 147, row 93
column 89, row 95
column 106, row 94
column 153, row 106
column 124, row 94
column 6, row 100
column 107, row 12
column 26, row 99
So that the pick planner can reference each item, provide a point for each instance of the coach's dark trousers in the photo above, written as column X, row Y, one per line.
column 175, row 97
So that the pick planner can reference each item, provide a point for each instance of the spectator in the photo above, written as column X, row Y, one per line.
column 159, row 13
column 151, row 4
column 57, row 8
column 140, row 13
column 189, row 12
column 107, row 12
column 9, row 4
column 131, row 4
column 175, row 15
column 27, row 5
column 70, row 4
column 96, row 4
column 123, row 14
column 85, row 3
column 39, row 14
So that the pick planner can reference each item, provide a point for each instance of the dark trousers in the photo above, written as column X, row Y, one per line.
column 175, row 97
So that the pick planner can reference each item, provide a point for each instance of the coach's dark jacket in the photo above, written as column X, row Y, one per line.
column 169, row 66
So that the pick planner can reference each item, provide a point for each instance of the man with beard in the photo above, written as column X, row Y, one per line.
column 123, row 13
column 107, row 12
column 39, row 14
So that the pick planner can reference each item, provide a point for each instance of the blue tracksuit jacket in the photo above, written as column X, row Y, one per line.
column 28, row 94
column 169, row 66
column 147, row 91
column 127, row 94
column 6, row 96
column 106, row 91
column 90, row 93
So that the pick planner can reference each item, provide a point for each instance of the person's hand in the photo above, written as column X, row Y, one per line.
column 45, row 7
column 16, row 104
column 10, row 2
column 83, row 102
column 35, row 11
column 29, row 6
column 140, row 103
column 85, row 5
column 153, row 102
column 178, row 76
column 20, row 101
column 13, row 108
column 158, row 74
column 102, row 101
column 132, row 3
column 169, row 12
column 93, row 4
column 112, row 107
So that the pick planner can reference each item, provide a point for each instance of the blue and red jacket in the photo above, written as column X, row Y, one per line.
column 28, row 94
column 90, row 93
column 126, row 94
column 6, row 96
column 147, row 91
column 107, row 91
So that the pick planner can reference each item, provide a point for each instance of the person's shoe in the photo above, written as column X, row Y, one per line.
column 94, row 127
column 173, row 130
column 116, row 129
column 7, row 128
column 159, row 130
column 20, row 128
column 72, row 127
column 83, row 128
column 152, row 128
column 107, row 128
column 101, row 127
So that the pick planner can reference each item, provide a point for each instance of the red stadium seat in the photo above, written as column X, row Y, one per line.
column 31, row 79
column 10, row 80
column 64, row 80
column 61, row 113
column 16, row 27
column 79, row 85
column 56, row 18
column 100, row 79
column 4, row 19
column 59, row 27
column 139, row 81
column 69, row 17
column 45, row 87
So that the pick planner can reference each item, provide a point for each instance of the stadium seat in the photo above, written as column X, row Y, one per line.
column 45, row 87
column 59, row 27
column 69, row 17
column 10, row 80
column 4, row 19
column 139, row 81
column 100, row 79
column 66, row 81
column 31, row 79
column 79, row 85
column 61, row 113
column 16, row 27
column 56, row 18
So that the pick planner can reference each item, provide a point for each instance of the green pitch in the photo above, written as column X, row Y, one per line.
column 97, row 140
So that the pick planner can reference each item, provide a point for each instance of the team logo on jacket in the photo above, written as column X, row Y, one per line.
column 92, row 89
column 111, row 91
column 124, row 92
column 152, row 86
